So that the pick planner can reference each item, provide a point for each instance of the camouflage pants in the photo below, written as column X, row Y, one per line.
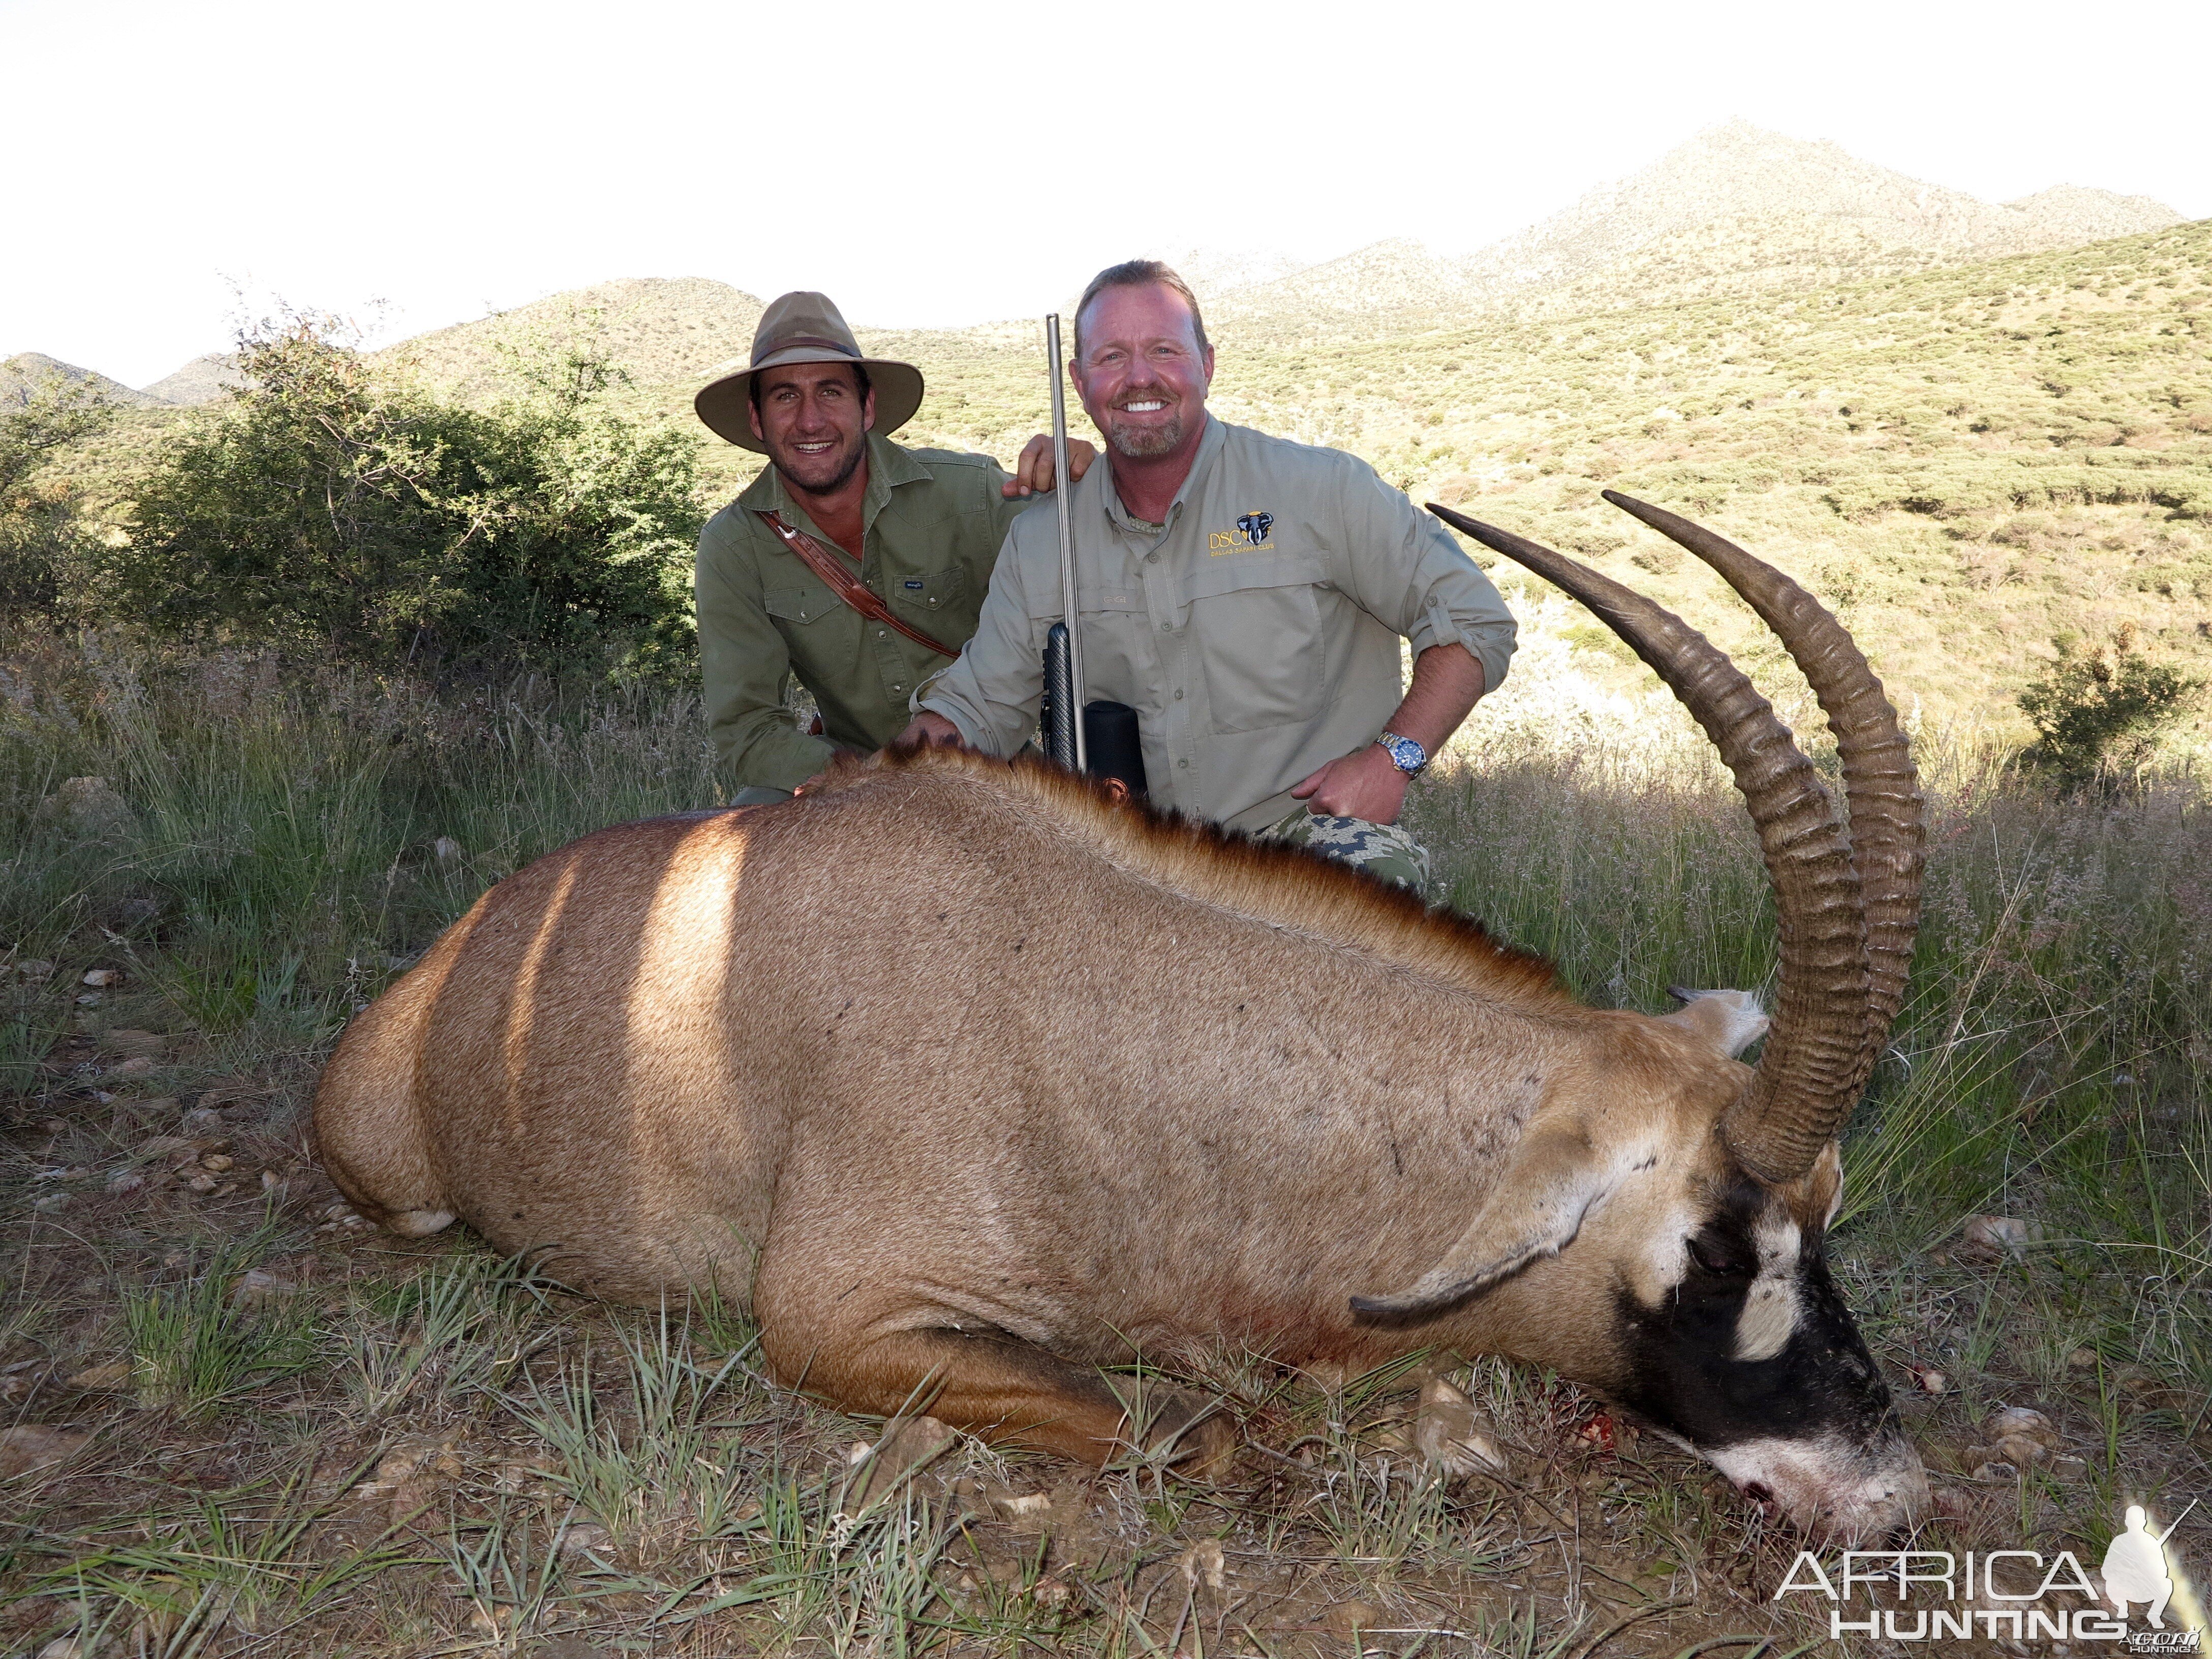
column 1383, row 850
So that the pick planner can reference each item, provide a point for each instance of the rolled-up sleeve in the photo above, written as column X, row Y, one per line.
column 991, row 690
column 1405, row 569
column 744, row 668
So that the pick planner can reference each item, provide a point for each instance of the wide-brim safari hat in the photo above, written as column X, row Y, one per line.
column 804, row 328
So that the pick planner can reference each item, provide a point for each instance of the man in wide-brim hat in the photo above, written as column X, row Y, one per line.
column 852, row 563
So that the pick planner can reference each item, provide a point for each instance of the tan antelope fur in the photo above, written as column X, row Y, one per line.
column 968, row 1081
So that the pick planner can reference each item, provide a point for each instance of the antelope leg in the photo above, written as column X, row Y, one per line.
column 1006, row 1391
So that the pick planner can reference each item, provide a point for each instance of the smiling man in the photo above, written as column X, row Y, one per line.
column 1245, row 594
column 851, row 563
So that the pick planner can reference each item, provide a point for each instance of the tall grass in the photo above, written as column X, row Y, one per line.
column 2051, row 1059
column 273, row 841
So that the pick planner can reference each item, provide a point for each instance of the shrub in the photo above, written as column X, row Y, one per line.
column 2100, row 715
column 335, row 503
column 46, row 554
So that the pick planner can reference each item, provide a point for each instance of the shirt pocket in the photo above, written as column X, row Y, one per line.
column 1256, row 626
column 798, row 605
column 932, row 594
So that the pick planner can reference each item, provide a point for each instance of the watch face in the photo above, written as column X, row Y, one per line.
column 1409, row 757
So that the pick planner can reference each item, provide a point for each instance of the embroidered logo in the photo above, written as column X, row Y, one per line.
column 1251, row 533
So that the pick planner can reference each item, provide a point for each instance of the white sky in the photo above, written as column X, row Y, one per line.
column 951, row 162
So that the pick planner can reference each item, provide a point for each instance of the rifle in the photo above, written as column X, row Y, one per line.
column 1063, row 651
column 1106, row 730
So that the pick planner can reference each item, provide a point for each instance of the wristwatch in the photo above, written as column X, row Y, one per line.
column 1406, row 754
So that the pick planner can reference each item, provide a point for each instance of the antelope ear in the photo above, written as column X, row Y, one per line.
column 1730, row 1020
column 1555, row 1179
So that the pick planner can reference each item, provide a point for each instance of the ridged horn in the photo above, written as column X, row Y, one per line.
column 1808, row 1074
column 1881, row 790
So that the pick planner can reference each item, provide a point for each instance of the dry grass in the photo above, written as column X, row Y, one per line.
column 306, row 1437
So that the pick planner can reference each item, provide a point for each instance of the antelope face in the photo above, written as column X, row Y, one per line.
column 1736, row 1344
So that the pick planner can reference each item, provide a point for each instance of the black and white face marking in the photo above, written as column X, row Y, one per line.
column 1752, row 1360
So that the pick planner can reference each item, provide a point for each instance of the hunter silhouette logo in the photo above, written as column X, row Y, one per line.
column 2011, row 1595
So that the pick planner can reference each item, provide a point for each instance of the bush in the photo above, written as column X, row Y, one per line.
column 2100, row 715
column 46, row 554
column 335, row 503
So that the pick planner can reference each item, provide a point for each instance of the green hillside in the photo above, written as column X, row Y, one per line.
column 1965, row 461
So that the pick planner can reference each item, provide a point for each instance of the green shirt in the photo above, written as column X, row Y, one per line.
column 1256, row 634
column 932, row 521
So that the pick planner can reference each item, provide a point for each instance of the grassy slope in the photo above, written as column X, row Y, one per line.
column 1964, row 461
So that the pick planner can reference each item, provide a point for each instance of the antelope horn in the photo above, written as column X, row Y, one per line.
column 1808, row 1073
column 1881, row 793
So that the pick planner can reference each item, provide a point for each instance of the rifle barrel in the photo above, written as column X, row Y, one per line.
column 1059, row 487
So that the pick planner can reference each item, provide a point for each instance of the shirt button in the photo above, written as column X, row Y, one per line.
column 1182, row 762
column 1164, row 628
column 881, row 635
column 1178, row 696
column 1152, row 558
column 898, row 688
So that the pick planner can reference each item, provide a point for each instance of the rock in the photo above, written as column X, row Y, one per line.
column 1203, row 1564
column 258, row 1284
column 904, row 1447
column 2020, row 1423
column 1450, row 1435
column 567, row 1647
column 217, row 1163
column 1348, row 1617
column 138, row 1066
column 29, row 1446
column 1928, row 1380
column 1027, row 1510
column 148, row 1044
column 33, row 971
column 124, row 1183
column 2081, row 1359
column 204, row 1121
column 202, row 1183
column 89, row 808
column 447, row 852
column 2020, row 1452
column 585, row 1538
column 111, row 1374
column 1988, row 1239
column 52, row 1204
column 103, row 979
column 2070, row 1468
column 170, row 1148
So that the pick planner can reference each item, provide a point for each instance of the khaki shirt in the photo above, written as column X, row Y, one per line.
column 932, row 521
column 1255, row 634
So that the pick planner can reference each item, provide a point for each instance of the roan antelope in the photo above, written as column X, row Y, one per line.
column 966, row 1081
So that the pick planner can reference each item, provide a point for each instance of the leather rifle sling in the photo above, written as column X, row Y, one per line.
column 846, row 585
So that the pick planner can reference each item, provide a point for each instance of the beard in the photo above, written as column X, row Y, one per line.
column 1138, row 442
column 818, row 474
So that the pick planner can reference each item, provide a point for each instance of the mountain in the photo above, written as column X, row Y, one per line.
column 1736, row 206
column 25, row 372
column 658, row 329
column 199, row 382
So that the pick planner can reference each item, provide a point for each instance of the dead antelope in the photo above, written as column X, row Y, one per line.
column 967, row 1081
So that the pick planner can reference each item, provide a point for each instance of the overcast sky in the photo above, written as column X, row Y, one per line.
column 950, row 162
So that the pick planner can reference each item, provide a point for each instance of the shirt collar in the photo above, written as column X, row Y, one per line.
column 1209, row 446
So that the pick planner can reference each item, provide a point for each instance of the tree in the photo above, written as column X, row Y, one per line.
column 2100, row 714
column 45, row 550
column 336, row 503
